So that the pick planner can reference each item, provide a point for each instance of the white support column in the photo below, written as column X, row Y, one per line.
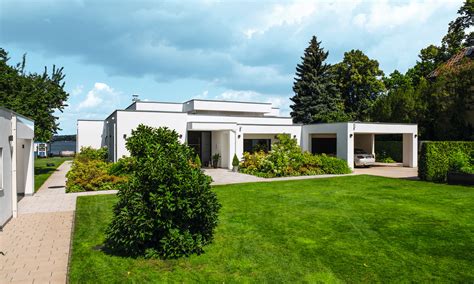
column 345, row 145
column 372, row 139
column 14, row 159
column 233, row 148
column 410, row 150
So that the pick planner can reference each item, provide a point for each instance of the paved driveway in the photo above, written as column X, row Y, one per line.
column 36, row 244
column 389, row 170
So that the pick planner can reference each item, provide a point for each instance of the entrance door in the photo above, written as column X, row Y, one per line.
column 201, row 142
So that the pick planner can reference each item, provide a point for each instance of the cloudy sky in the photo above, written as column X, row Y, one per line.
column 167, row 51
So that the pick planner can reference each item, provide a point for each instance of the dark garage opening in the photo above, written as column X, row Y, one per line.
column 320, row 145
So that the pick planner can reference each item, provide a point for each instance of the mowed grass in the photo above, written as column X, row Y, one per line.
column 42, row 171
column 345, row 229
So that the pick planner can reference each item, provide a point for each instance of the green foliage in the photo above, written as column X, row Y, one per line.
column 437, row 158
column 388, row 150
column 287, row 159
column 91, row 175
column 123, row 167
column 37, row 96
column 167, row 208
column 359, row 80
column 460, row 162
column 90, row 171
column 235, row 161
column 197, row 161
column 89, row 153
column 317, row 98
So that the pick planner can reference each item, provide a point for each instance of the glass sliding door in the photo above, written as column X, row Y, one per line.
column 201, row 142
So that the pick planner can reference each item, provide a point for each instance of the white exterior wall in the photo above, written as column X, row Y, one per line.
column 17, row 161
column 223, row 106
column 365, row 142
column 6, row 189
column 127, row 121
column 158, row 106
column 90, row 133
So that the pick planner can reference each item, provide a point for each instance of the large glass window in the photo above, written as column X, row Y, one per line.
column 255, row 145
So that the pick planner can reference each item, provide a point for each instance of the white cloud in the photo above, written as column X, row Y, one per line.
column 388, row 15
column 289, row 14
column 99, row 94
column 77, row 90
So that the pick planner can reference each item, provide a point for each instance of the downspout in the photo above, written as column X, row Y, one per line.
column 14, row 183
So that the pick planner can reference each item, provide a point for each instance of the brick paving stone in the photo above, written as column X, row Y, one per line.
column 37, row 243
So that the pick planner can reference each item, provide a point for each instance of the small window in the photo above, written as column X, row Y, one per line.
column 1, row 168
column 255, row 145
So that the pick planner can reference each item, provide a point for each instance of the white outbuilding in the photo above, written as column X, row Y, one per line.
column 234, row 127
column 16, row 161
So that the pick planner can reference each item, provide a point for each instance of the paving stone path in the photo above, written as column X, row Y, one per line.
column 37, row 243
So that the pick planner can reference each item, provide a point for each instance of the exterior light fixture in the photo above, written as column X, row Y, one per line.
column 125, row 136
column 294, row 136
column 238, row 136
column 180, row 136
column 415, row 135
column 350, row 135
column 10, row 138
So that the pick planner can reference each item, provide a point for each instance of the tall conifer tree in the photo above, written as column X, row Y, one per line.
column 317, row 98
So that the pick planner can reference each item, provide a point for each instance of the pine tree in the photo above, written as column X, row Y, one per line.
column 317, row 98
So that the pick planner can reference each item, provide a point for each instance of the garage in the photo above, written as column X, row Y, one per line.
column 343, row 139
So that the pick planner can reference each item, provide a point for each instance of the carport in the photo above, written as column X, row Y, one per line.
column 340, row 139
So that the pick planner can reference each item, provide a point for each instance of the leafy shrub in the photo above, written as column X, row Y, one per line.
column 287, row 159
column 91, row 175
column 123, row 167
column 197, row 162
column 392, row 149
column 384, row 157
column 437, row 157
column 167, row 208
column 235, row 161
column 89, row 153
column 333, row 165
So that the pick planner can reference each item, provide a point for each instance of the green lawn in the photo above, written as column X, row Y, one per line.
column 42, row 171
column 345, row 229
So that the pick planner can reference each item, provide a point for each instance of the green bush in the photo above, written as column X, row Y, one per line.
column 235, row 161
column 197, row 161
column 89, row 153
column 91, row 175
column 167, row 208
column 437, row 157
column 392, row 149
column 287, row 159
column 384, row 157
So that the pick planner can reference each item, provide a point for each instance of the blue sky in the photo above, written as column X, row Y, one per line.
column 170, row 51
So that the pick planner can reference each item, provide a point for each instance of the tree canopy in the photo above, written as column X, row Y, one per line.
column 317, row 98
column 37, row 96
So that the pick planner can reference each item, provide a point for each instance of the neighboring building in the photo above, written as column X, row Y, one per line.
column 232, row 127
column 41, row 149
column 16, row 161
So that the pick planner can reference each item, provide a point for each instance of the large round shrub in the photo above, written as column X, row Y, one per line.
column 167, row 208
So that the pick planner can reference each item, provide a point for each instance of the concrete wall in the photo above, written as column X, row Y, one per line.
column 158, row 106
column 365, row 142
column 224, row 106
column 25, row 167
column 90, row 133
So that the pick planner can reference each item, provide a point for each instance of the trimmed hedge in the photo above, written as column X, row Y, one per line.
column 436, row 157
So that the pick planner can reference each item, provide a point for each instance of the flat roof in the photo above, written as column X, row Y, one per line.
column 16, row 113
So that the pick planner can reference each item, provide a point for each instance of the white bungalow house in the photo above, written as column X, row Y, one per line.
column 228, row 127
column 16, row 161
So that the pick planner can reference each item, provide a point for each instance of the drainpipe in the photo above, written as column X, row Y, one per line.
column 13, row 183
